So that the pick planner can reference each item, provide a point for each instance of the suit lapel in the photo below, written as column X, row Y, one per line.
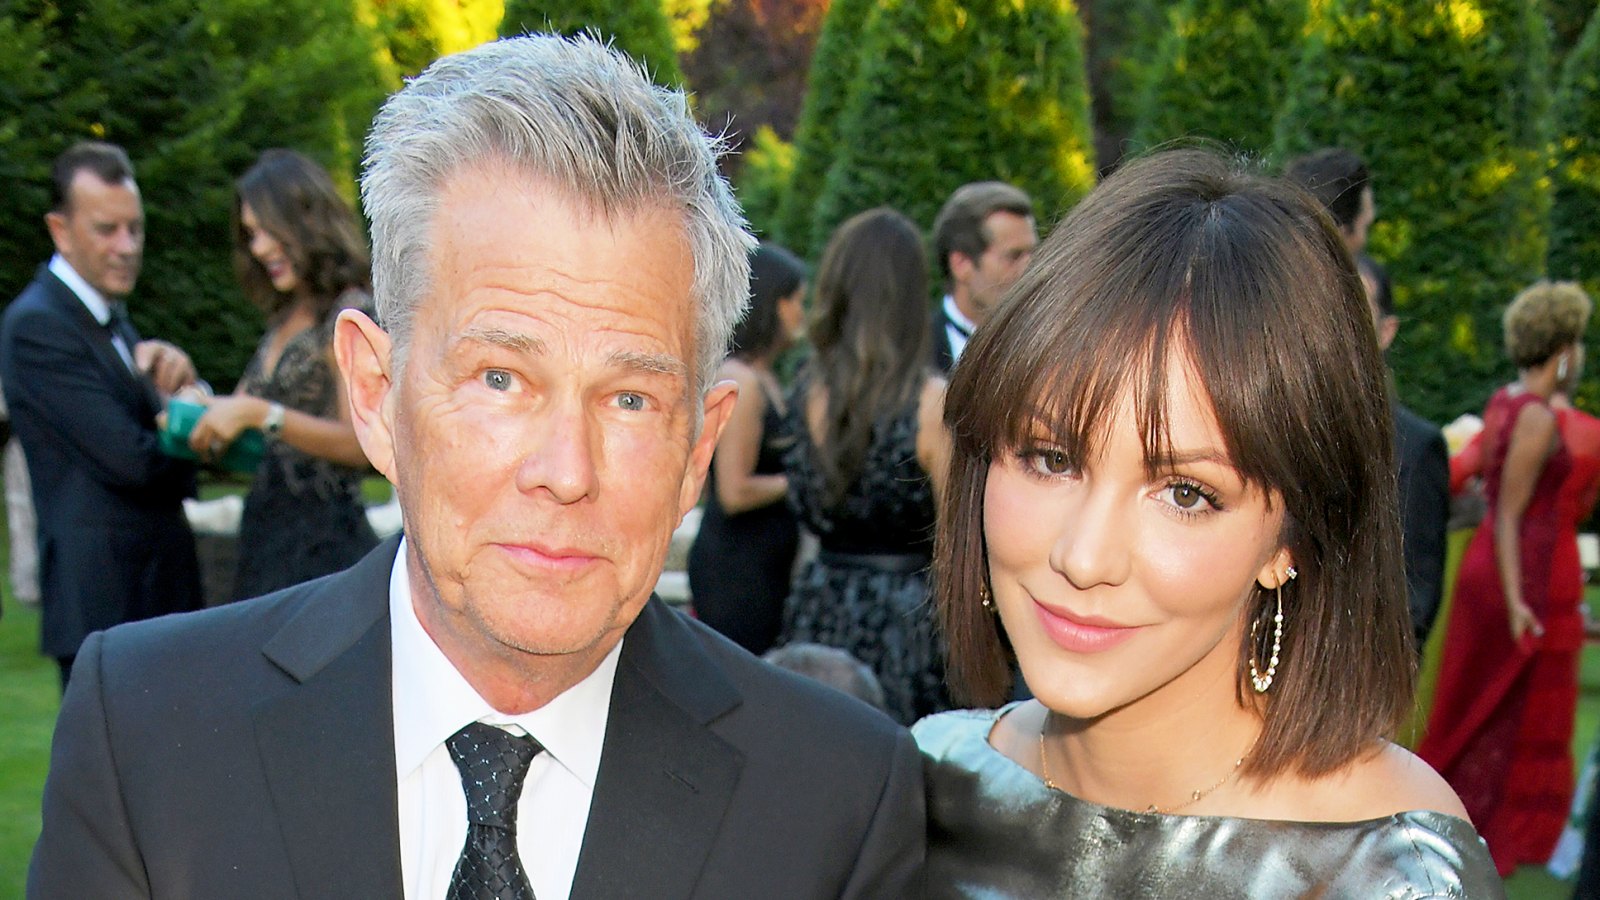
column 137, row 389
column 327, row 746
column 665, row 779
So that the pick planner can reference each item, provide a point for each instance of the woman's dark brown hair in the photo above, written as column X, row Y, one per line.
column 1183, row 252
column 871, row 335
column 296, row 202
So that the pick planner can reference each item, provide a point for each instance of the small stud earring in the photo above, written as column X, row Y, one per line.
column 984, row 598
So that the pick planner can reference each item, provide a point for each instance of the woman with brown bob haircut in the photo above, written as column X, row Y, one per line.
column 1171, row 500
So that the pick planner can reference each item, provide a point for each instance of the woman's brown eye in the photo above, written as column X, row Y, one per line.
column 1055, row 462
column 1185, row 496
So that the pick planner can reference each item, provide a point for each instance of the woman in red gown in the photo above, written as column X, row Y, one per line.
column 1501, row 722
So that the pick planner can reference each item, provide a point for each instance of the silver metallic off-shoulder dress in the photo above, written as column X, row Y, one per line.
column 995, row 831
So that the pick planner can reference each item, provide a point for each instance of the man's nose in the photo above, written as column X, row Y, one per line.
column 562, row 458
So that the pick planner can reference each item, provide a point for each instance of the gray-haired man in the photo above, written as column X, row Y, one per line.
column 497, row 706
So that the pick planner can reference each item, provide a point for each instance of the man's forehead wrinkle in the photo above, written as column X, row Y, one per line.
column 654, row 363
column 502, row 337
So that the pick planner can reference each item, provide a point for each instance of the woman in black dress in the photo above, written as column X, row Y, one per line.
column 301, row 257
column 862, row 473
column 742, row 557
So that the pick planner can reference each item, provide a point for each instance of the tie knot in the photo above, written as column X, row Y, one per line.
column 493, row 762
column 118, row 315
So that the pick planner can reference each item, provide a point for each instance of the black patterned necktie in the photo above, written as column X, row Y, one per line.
column 493, row 762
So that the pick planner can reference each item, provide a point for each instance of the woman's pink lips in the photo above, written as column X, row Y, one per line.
column 1081, row 635
column 548, row 557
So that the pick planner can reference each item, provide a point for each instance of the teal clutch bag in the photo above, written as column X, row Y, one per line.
column 243, row 455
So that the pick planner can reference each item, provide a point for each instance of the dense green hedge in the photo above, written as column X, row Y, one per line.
column 816, row 137
column 1575, row 210
column 1122, row 40
column 1448, row 104
column 1220, row 72
column 413, row 33
column 952, row 91
column 763, row 179
column 637, row 27
column 194, row 92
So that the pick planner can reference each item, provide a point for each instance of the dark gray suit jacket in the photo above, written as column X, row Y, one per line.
column 1424, row 514
column 248, row 752
column 113, row 542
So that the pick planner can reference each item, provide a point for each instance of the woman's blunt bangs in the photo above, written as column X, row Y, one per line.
column 1182, row 252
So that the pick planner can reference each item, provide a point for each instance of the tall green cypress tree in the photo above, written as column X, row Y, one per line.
column 637, row 27
column 1575, row 209
column 952, row 91
column 194, row 93
column 1449, row 105
column 1220, row 71
column 816, row 137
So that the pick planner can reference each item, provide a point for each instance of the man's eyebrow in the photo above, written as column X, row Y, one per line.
column 650, row 363
column 500, row 337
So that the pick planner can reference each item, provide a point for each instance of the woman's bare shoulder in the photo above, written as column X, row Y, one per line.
column 1389, row 780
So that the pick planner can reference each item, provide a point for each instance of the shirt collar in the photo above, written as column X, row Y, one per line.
column 93, row 299
column 433, row 701
column 953, row 312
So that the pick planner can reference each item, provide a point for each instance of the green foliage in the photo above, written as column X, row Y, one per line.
column 1567, row 19
column 637, row 27
column 764, row 178
column 816, row 138
column 1575, row 209
column 194, row 93
column 414, row 33
column 1220, row 71
column 1448, row 104
column 1575, row 203
column 1123, row 38
column 952, row 91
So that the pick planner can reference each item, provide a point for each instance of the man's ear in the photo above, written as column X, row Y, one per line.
column 60, row 235
column 362, row 350
column 1388, row 327
column 961, row 266
column 719, row 403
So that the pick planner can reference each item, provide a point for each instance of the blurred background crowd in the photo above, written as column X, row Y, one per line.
column 900, row 161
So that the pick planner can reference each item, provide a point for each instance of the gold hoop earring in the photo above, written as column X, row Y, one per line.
column 1263, row 682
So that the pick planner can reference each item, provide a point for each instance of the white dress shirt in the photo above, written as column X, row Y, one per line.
column 93, row 300
column 958, row 330
column 432, row 701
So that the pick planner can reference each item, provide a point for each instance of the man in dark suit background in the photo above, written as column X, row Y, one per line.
column 83, row 391
column 1424, row 460
column 496, row 705
column 983, row 238
column 1339, row 179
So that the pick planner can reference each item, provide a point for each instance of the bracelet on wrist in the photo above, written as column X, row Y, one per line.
column 272, row 424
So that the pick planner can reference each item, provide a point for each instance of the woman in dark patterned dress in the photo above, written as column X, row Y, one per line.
column 742, row 557
column 866, row 415
column 301, row 257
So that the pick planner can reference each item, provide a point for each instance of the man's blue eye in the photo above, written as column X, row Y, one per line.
column 631, row 402
column 497, row 379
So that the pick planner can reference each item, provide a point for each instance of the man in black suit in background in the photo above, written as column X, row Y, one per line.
column 983, row 238
column 1424, row 461
column 83, row 391
column 497, row 705
column 1339, row 179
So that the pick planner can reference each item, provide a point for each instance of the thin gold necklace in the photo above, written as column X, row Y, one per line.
column 1194, row 797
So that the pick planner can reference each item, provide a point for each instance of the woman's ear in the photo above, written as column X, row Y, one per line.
column 1278, row 570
